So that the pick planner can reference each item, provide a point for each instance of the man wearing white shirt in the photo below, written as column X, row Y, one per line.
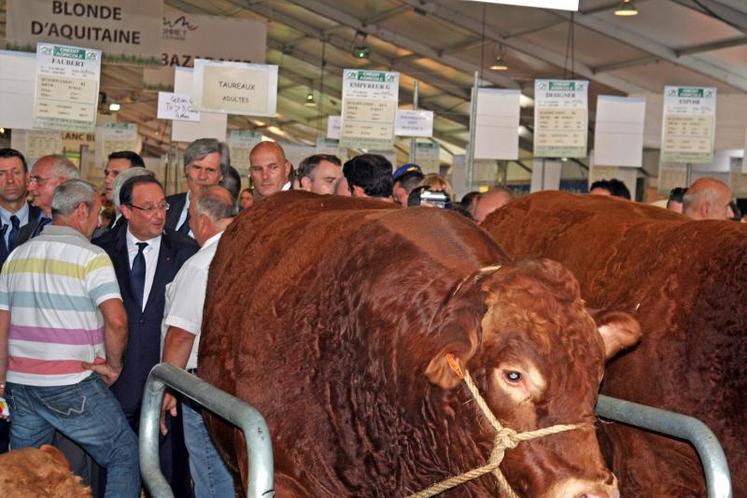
column 269, row 169
column 145, row 260
column 15, row 211
column 211, row 211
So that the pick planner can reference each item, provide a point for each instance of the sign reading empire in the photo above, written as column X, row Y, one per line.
column 126, row 31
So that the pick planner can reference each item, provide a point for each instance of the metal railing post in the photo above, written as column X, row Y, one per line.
column 715, row 467
column 235, row 411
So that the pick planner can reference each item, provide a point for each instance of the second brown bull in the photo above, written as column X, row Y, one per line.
column 686, row 283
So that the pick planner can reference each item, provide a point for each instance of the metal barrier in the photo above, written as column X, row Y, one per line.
column 718, row 480
column 244, row 416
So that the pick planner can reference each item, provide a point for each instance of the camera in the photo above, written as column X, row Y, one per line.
column 424, row 196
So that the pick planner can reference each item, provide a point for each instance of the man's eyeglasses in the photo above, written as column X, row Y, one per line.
column 149, row 210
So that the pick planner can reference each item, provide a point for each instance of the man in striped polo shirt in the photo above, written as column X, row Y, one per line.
column 63, row 330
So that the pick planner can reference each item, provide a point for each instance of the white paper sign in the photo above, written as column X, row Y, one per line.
column 114, row 137
column 240, row 144
column 546, row 175
column 369, row 107
column 334, row 124
column 210, row 125
column 688, row 125
column 618, row 132
column 497, row 124
column 177, row 107
column 17, row 80
column 560, row 118
column 428, row 157
column 413, row 123
column 67, row 87
column 34, row 144
column 235, row 87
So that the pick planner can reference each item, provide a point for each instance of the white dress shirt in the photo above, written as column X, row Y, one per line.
column 22, row 214
column 151, row 259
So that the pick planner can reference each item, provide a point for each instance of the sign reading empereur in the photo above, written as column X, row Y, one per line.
column 67, row 87
column 560, row 118
column 125, row 30
column 689, row 124
column 369, row 106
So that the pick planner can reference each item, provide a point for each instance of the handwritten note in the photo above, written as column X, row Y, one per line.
column 176, row 106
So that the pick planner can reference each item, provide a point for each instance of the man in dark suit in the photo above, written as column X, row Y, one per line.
column 15, row 211
column 145, row 259
column 117, row 163
column 206, row 162
column 46, row 173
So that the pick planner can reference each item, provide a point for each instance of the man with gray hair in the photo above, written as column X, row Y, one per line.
column 708, row 199
column 46, row 174
column 211, row 211
column 206, row 162
column 63, row 344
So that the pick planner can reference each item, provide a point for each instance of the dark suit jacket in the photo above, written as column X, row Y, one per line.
column 25, row 233
column 176, row 204
column 144, row 326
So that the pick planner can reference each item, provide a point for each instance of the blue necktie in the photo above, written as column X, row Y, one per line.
column 15, row 224
column 138, row 272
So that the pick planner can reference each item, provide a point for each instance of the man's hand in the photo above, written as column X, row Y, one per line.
column 168, row 405
column 108, row 372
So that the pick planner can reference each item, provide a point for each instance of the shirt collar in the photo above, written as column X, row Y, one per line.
column 132, row 240
column 21, row 213
column 63, row 230
column 287, row 186
column 212, row 240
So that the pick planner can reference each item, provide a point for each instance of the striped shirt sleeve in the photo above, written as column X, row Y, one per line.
column 101, row 281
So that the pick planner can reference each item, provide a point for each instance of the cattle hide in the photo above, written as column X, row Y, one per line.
column 686, row 283
column 39, row 473
column 331, row 316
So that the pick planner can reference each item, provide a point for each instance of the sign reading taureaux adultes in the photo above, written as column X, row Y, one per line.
column 126, row 31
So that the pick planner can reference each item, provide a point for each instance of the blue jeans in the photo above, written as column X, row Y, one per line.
column 209, row 473
column 89, row 415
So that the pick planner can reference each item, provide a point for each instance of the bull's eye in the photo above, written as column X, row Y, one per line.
column 512, row 376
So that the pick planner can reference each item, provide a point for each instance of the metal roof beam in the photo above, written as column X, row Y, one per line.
column 708, row 47
column 640, row 61
column 458, row 18
column 398, row 39
column 699, row 65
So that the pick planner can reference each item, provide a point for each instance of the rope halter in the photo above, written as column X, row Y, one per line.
column 505, row 439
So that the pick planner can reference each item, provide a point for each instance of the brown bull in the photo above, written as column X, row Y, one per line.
column 686, row 283
column 336, row 324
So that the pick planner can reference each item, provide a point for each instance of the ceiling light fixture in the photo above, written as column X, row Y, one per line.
column 360, row 49
column 114, row 107
column 499, row 65
column 310, row 102
column 626, row 9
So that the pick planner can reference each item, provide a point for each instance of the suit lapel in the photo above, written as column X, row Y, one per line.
column 122, row 267
column 165, row 263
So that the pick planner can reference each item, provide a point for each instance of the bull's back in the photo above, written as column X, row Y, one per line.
column 289, row 279
column 684, row 280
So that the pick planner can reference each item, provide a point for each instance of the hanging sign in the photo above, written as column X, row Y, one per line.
column 497, row 124
column 210, row 125
column 127, row 31
column 560, row 118
column 236, row 87
column 618, row 131
column 115, row 137
column 186, row 37
column 67, row 87
column 177, row 107
column 17, row 77
column 369, row 107
column 688, row 125
column 334, row 124
column 413, row 123
column 428, row 157
column 240, row 145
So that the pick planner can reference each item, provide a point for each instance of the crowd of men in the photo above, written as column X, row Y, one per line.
column 87, row 310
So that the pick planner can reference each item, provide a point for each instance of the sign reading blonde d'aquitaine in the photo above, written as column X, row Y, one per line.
column 127, row 31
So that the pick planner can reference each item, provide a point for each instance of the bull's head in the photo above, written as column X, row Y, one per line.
column 538, row 358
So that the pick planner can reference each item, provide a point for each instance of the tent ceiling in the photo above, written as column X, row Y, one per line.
column 441, row 43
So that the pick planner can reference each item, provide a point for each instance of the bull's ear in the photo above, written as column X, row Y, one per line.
column 619, row 330
column 445, row 369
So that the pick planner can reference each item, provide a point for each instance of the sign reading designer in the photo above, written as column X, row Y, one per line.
column 235, row 87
